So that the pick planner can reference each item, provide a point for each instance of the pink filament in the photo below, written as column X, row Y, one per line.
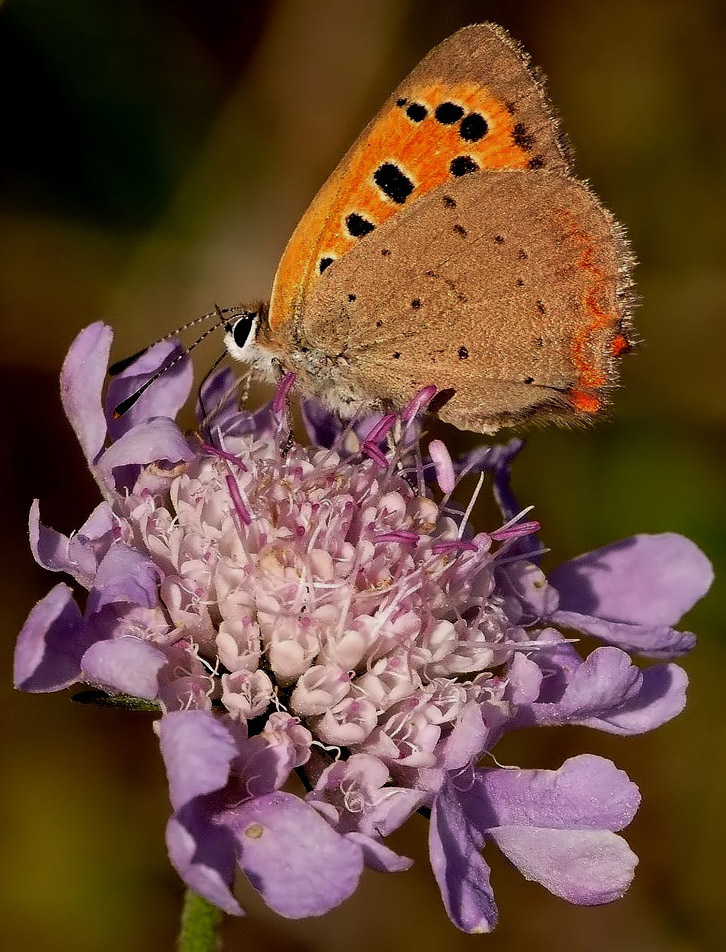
column 278, row 404
column 237, row 500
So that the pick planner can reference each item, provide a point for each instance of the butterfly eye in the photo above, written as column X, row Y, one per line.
column 240, row 334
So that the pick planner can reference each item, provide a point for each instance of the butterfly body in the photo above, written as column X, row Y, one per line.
column 453, row 245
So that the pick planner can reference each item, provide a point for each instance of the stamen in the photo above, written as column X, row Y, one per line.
column 453, row 546
column 210, row 450
column 375, row 453
column 398, row 535
column 516, row 531
column 418, row 403
column 239, row 506
column 472, row 503
column 381, row 429
column 444, row 468
column 286, row 384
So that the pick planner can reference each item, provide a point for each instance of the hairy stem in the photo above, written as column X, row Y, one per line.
column 200, row 922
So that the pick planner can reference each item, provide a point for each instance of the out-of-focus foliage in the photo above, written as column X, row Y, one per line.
column 156, row 156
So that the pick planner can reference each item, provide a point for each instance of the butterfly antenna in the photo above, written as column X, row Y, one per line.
column 126, row 362
column 126, row 404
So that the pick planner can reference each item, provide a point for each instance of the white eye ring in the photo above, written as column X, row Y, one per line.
column 241, row 334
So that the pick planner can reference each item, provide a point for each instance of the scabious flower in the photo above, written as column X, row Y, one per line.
column 333, row 648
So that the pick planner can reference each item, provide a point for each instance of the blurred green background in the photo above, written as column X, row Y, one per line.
column 156, row 155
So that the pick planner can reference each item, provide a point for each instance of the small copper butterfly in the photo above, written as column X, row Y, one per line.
column 453, row 246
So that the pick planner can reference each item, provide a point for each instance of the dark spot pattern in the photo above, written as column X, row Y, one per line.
column 379, row 323
column 529, row 379
column 394, row 183
column 473, row 127
column 448, row 113
column 536, row 163
column 358, row 226
column 463, row 353
column 325, row 263
column 351, row 297
column 401, row 102
column 522, row 254
column 541, row 308
column 449, row 202
column 416, row 303
column 417, row 112
column 539, row 341
column 522, row 138
column 386, row 252
column 396, row 355
column 460, row 230
column 520, row 282
column 463, row 165
column 499, row 239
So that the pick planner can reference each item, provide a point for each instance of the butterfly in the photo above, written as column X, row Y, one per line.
column 452, row 246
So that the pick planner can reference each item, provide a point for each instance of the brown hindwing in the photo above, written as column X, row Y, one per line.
column 508, row 288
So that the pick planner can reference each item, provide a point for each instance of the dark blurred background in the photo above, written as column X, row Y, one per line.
column 156, row 155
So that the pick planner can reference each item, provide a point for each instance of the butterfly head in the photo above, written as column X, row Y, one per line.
column 243, row 331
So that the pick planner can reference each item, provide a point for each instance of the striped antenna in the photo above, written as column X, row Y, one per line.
column 218, row 312
column 126, row 404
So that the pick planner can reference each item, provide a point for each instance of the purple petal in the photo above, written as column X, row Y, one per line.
column 460, row 870
column 662, row 697
column 586, row 793
column 82, row 377
column 586, row 867
column 50, row 644
column 159, row 439
column 126, row 664
column 124, row 575
column 529, row 584
column 605, row 680
column 652, row 641
column 467, row 741
column 649, row 580
column 164, row 398
column 57, row 553
column 524, row 680
column 203, row 853
column 264, row 766
column 378, row 856
column 197, row 750
column 293, row 857
column 322, row 425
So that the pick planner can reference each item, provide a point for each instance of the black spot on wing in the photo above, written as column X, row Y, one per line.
column 416, row 303
column 394, row 183
column 448, row 113
column 473, row 127
column 358, row 226
column 460, row 230
column 463, row 352
column 449, row 202
column 463, row 165
column 417, row 112
column 522, row 138
column 325, row 263
column 537, row 162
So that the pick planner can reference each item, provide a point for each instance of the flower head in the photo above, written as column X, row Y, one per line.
column 326, row 613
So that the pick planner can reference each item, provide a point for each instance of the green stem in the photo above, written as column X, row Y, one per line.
column 200, row 922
